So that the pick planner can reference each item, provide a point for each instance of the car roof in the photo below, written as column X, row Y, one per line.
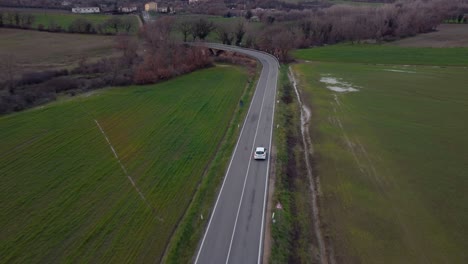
column 260, row 149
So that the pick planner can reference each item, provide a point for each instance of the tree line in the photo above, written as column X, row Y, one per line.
column 165, row 57
column 282, row 31
column 286, row 30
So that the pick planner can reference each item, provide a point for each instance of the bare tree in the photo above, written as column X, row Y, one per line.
column 10, row 18
column 202, row 28
column 127, row 24
column 158, row 34
column 128, row 45
column 8, row 68
column 239, row 32
column 115, row 23
column 81, row 25
column 224, row 34
column 17, row 18
column 283, row 43
column 185, row 27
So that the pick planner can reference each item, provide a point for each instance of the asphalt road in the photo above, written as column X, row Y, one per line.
column 235, row 230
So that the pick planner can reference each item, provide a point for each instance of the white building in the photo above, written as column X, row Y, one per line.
column 163, row 9
column 128, row 9
column 85, row 10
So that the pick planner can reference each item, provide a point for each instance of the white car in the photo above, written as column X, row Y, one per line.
column 260, row 153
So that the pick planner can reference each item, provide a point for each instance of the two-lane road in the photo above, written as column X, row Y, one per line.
column 236, row 227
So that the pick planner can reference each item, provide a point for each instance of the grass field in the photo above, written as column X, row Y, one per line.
column 34, row 50
column 65, row 197
column 385, row 54
column 65, row 19
column 391, row 156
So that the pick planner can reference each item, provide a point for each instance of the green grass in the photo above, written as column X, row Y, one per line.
column 391, row 157
column 64, row 196
column 292, row 239
column 385, row 54
column 282, row 229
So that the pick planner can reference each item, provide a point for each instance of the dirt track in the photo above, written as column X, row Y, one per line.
column 446, row 36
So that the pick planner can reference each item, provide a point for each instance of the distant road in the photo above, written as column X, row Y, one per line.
column 236, row 227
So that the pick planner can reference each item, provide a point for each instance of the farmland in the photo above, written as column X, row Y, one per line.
column 390, row 151
column 34, row 50
column 67, row 197
column 46, row 17
column 446, row 36
column 385, row 54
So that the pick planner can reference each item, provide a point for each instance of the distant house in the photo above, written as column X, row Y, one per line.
column 128, row 9
column 164, row 9
column 66, row 3
column 85, row 10
column 151, row 6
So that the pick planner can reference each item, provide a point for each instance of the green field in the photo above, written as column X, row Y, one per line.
column 66, row 19
column 392, row 156
column 65, row 197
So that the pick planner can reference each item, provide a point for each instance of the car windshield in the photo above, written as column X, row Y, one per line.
column 259, row 152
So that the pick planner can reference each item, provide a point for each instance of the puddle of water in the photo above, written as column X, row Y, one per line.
column 342, row 89
column 338, row 85
column 403, row 71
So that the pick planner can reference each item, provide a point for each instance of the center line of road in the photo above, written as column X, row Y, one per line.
column 248, row 167
column 260, row 246
column 227, row 172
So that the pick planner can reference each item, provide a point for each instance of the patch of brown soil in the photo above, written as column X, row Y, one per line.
column 36, row 50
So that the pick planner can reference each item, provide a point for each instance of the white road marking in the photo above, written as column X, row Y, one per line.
column 266, row 179
column 132, row 181
column 266, row 184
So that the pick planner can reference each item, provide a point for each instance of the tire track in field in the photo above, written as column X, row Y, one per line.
column 325, row 251
column 24, row 144
column 130, row 178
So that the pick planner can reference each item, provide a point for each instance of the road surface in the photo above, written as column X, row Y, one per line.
column 236, row 227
